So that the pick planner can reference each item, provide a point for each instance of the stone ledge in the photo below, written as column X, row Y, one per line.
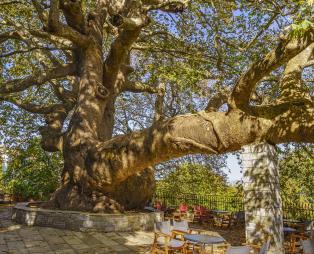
column 83, row 221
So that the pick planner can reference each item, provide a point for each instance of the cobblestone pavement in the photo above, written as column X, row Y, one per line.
column 18, row 239
column 22, row 239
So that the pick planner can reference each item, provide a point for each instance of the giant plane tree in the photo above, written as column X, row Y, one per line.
column 210, row 77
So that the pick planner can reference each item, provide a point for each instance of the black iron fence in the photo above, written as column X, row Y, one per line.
column 292, row 210
column 213, row 202
column 298, row 210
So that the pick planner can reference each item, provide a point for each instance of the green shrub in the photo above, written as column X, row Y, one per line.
column 32, row 173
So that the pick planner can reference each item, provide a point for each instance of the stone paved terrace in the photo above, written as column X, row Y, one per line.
column 15, row 238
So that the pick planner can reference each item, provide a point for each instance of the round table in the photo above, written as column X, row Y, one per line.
column 204, row 240
column 219, row 211
column 289, row 230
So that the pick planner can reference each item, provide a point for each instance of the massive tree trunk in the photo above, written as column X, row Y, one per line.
column 82, row 186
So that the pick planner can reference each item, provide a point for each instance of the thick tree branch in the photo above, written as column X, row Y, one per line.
column 31, row 107
column 57, row 28
column 41, row 12
column 291, row 84
column 30, row 36
column 159, row 103
column 11, row 2
column 10, row 35
column 37, row 79
column 216, row 101
column 33, row 49
column 50, row 37
column 166, row 5
column 63, row 94
column 210, row 133
column 52, row 136
column 309, row 63
column 74, row 15
column 285, row 50
column 137, row 87
column 119, row 51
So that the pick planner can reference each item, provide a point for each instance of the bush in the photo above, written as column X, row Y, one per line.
column 32, row 173
column 193, row 178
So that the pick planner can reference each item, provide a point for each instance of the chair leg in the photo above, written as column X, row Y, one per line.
column 152, row 250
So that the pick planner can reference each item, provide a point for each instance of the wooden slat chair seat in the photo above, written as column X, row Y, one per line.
column 180, row 228
column 308, row 245
column 265, row 247
column 296, row 240
column 239, row 250
column 164, row 243
column 249, row 248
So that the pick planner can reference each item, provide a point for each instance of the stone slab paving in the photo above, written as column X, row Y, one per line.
column 18, row 239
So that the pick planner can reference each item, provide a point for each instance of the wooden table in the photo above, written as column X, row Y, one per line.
column 204, row 240
column 220, row 211
column 289, row 230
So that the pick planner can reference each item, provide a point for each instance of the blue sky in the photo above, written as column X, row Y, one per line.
column 233, row 169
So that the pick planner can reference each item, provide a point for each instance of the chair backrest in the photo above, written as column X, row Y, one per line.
column 239, row 250
column 201, row 210
column 183, row 207
column 163, row 227
column 158, row 205
column 265, row 247
column 240, row 215
column 181, row 225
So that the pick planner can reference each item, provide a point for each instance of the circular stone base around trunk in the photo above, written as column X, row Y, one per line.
column 83, row 221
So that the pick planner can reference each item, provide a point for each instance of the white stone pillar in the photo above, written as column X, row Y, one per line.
column 262, row 202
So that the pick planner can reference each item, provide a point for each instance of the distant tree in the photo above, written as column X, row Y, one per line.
column 32, row 173
column 193, row 179
column 297, row 174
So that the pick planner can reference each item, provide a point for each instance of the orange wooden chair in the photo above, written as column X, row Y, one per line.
column 164, row 241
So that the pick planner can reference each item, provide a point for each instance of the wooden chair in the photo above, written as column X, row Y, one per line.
column 176, row 216
column 295, row 241
column 182, row 226
column 223, row 220
column 308, row 245
column 248, row 248
column 239, row 218
column 202, row 215
column 159, row 206
column 183, row 210
column 179, row 229
column 164, row 243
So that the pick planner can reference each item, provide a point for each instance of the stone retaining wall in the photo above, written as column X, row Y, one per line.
column 82, row 221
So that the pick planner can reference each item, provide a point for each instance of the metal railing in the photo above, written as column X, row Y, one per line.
column 291, row 209
column 212, row 202
column 298, row 210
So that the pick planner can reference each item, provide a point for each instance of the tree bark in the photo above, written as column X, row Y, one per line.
column 93, row 121
column 99, row 175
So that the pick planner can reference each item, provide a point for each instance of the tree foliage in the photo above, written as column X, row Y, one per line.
column 192, row 179
column 31, row 173
column 297, row 174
